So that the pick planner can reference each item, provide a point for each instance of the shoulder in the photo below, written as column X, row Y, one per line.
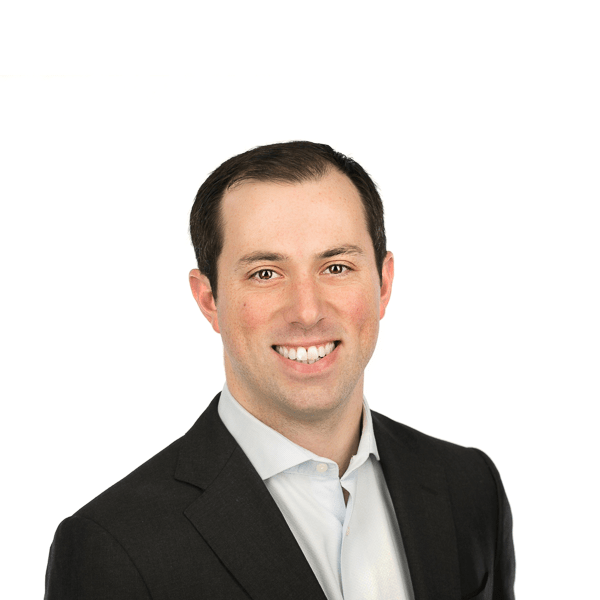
column 99, row 551
column 466, row 477
column 169, row 481
column 87, row 561
column 136, row 534
column 428, row 447
column 468, row 471
column 148, row 489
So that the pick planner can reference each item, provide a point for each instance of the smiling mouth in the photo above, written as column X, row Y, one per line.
column 306, row 355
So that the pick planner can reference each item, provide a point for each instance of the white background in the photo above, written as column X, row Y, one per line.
column 480, row 124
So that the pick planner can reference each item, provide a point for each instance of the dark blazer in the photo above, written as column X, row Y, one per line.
column 197, row 522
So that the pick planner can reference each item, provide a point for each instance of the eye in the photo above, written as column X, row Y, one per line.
column 337, row 269
column 265, row 275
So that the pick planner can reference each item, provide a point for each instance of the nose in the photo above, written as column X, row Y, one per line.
column 304, row 306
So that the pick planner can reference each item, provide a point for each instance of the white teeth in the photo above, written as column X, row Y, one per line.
column 304, row 355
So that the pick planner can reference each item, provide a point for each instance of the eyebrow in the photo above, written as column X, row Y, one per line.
column 263, row 256
column 349, row 249
column 260, row 256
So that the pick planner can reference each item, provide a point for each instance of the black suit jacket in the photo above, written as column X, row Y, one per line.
column 197, row 522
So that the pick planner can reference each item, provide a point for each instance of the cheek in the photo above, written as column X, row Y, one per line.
column 243, row 317
column 363, row 306
column 362, row 314
column 253, row 313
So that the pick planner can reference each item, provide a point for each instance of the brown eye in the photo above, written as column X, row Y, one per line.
column 337, row 269
column 265, row 274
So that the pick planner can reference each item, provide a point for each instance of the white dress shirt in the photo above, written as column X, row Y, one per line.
column 355, row 551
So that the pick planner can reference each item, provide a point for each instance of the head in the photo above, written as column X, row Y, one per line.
column 298, row 255
column 290, row 162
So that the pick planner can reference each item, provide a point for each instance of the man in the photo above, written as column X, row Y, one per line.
column 288, row 486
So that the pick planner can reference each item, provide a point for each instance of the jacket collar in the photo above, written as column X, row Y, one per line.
column 237, row 516
column 421, row 499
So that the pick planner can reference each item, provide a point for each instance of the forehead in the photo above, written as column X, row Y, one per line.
column 286, row 216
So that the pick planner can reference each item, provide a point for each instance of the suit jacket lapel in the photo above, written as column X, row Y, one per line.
column 238, row 518
column 422, row 503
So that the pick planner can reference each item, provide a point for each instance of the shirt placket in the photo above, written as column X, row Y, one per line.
column 349, row 537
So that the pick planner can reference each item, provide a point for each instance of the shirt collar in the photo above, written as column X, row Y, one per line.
column 270, row 452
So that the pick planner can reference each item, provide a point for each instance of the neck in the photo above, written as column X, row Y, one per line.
column 334, row 435
column 335, row 439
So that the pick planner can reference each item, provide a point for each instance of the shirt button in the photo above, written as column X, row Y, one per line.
column 322, row 467
column 348, row 531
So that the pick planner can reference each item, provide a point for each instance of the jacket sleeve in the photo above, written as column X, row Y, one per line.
column 87, row 563
column 504, row 564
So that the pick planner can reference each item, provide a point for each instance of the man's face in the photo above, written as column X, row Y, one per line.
column 297, row 270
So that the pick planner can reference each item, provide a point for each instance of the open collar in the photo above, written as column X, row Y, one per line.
column 272, row 453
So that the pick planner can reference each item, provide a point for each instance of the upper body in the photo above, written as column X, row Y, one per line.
column 197, row 521
column 295, row 276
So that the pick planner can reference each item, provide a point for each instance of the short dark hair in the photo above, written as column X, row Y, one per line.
column 289, row 162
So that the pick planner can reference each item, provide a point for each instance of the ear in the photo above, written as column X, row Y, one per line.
column 204, row 297
column 387, row 277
